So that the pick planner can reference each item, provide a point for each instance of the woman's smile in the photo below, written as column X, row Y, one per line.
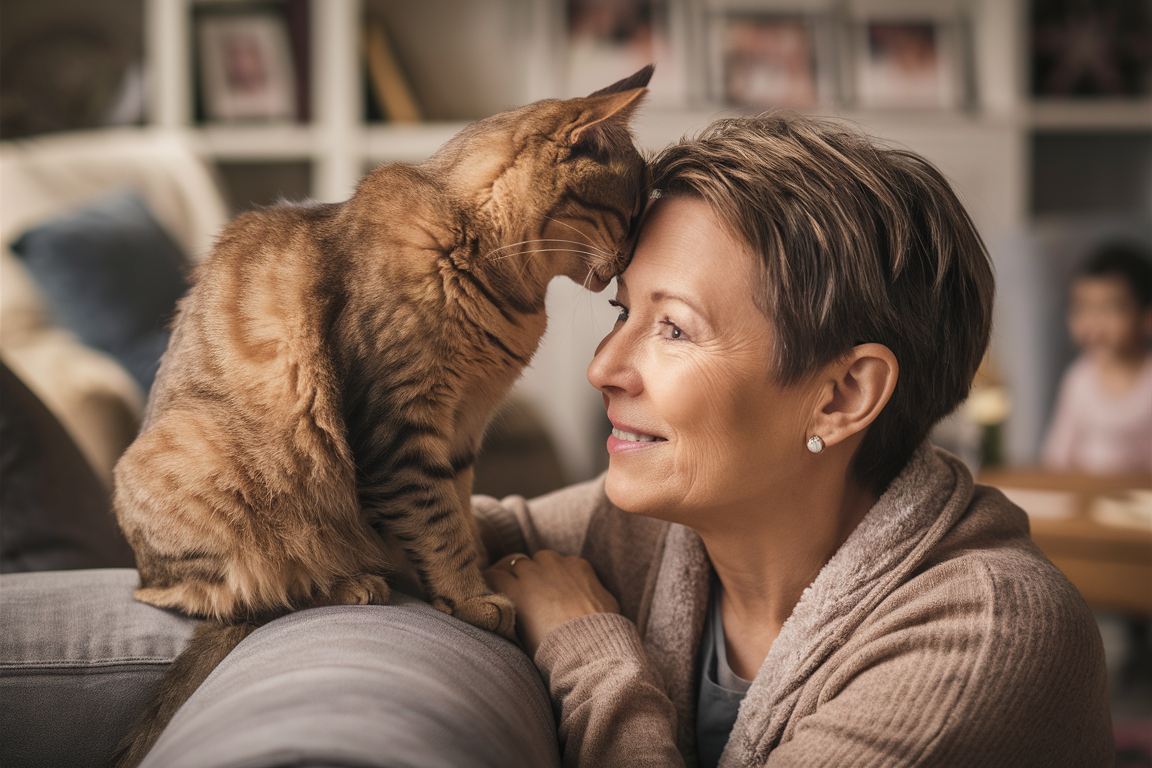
column 625, row 438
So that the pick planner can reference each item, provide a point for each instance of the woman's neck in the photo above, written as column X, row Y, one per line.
column 767, row 562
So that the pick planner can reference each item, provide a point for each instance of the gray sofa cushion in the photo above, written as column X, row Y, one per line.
column 79, row 659
column 396, row 685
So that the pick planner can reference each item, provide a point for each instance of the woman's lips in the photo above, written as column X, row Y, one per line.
column 623, row 440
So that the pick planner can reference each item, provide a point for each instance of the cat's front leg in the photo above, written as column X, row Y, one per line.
column 437, row 531
column 464, row 481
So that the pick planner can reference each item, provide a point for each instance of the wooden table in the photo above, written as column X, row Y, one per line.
column 1111, row 565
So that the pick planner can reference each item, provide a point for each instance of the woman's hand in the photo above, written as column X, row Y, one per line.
column 548, row 590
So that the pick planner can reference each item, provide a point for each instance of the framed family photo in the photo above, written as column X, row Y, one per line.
column 610, row 39
column 246, row 66
column 769, row 60
column 908, row 64
column 1096, row 49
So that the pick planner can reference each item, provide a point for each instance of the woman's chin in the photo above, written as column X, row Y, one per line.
column 635, row 493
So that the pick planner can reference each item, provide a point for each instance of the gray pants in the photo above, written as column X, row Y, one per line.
column 395, row 685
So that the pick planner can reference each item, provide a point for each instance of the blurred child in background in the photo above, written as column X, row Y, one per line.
column 1102, row 422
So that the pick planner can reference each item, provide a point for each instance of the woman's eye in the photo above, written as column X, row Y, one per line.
column 674, row 331
column 623, row 310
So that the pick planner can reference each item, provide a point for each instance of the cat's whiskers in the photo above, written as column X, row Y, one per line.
column 596, row 254
column 590, row 246
column 606, row 254
column 523, row 269
column 512, row 245
column 574, row 229
column 596, row 258
column 524, row 263
column 548, row 250
column 587, row 281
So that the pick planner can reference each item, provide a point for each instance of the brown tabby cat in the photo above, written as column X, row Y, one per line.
column 332, row 371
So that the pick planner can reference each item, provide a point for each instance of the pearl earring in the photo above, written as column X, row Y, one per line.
column 815, row 444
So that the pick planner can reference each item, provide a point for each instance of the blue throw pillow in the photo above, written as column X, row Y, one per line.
column 112, row 275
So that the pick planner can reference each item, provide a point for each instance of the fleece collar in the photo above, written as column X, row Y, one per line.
column 922, row 504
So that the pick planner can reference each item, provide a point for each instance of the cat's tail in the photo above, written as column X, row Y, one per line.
column 210, row 643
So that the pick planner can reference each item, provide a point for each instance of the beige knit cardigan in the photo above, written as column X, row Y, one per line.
column 938, row 634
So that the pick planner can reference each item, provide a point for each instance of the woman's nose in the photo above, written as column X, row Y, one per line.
column 613, row 368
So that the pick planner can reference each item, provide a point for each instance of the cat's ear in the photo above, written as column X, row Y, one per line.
column 604, row 123
column 637, row 80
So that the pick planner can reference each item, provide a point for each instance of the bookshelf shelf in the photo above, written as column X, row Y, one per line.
column 257, row 141
column 1092, row 115
column 409, row 143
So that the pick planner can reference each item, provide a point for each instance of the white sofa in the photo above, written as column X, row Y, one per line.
column 93, row 397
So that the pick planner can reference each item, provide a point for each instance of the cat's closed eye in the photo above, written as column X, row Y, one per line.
column 588, row 151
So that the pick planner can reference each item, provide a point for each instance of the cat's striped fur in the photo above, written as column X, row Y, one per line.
column 333, row 369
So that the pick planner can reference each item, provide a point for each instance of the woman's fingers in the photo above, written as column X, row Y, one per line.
column 548, row 589
column 506, row 565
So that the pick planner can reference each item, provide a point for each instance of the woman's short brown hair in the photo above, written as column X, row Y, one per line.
column 858, row 243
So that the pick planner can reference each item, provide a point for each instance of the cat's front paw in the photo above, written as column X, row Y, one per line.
column 492, row 612
column 364, row 589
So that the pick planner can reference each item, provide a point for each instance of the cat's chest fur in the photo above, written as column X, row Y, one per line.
column 469, row 373
column 443, row 346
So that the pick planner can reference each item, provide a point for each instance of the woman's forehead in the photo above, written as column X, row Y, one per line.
column 685, row 244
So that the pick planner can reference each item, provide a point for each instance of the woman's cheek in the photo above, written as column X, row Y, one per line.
column 709, row 411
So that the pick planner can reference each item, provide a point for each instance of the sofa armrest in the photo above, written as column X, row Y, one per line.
column 395, row 685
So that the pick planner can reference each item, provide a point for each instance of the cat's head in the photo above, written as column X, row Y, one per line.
column 555, row 187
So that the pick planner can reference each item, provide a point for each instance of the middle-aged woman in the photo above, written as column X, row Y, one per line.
column 778, row 569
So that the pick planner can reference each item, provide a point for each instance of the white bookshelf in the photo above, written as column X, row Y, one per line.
column 340, row 144
column 335, row 141
column 269, row 143
column 984, row 150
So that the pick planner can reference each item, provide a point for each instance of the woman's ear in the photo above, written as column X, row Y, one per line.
column 854, row 390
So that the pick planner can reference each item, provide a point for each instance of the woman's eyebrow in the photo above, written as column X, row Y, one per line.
column 658, row 296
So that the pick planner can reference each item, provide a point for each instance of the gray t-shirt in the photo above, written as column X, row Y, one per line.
column 721, row 689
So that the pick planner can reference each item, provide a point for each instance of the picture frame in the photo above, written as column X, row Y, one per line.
column 608, row 40
column 1097, row 50
column 776, row 59
column 246, row 66
column 908, row 64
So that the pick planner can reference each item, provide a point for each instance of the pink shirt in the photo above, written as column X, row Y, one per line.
column 1096, row 431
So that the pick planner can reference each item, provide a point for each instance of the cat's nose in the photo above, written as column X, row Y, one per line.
column 624, row 253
